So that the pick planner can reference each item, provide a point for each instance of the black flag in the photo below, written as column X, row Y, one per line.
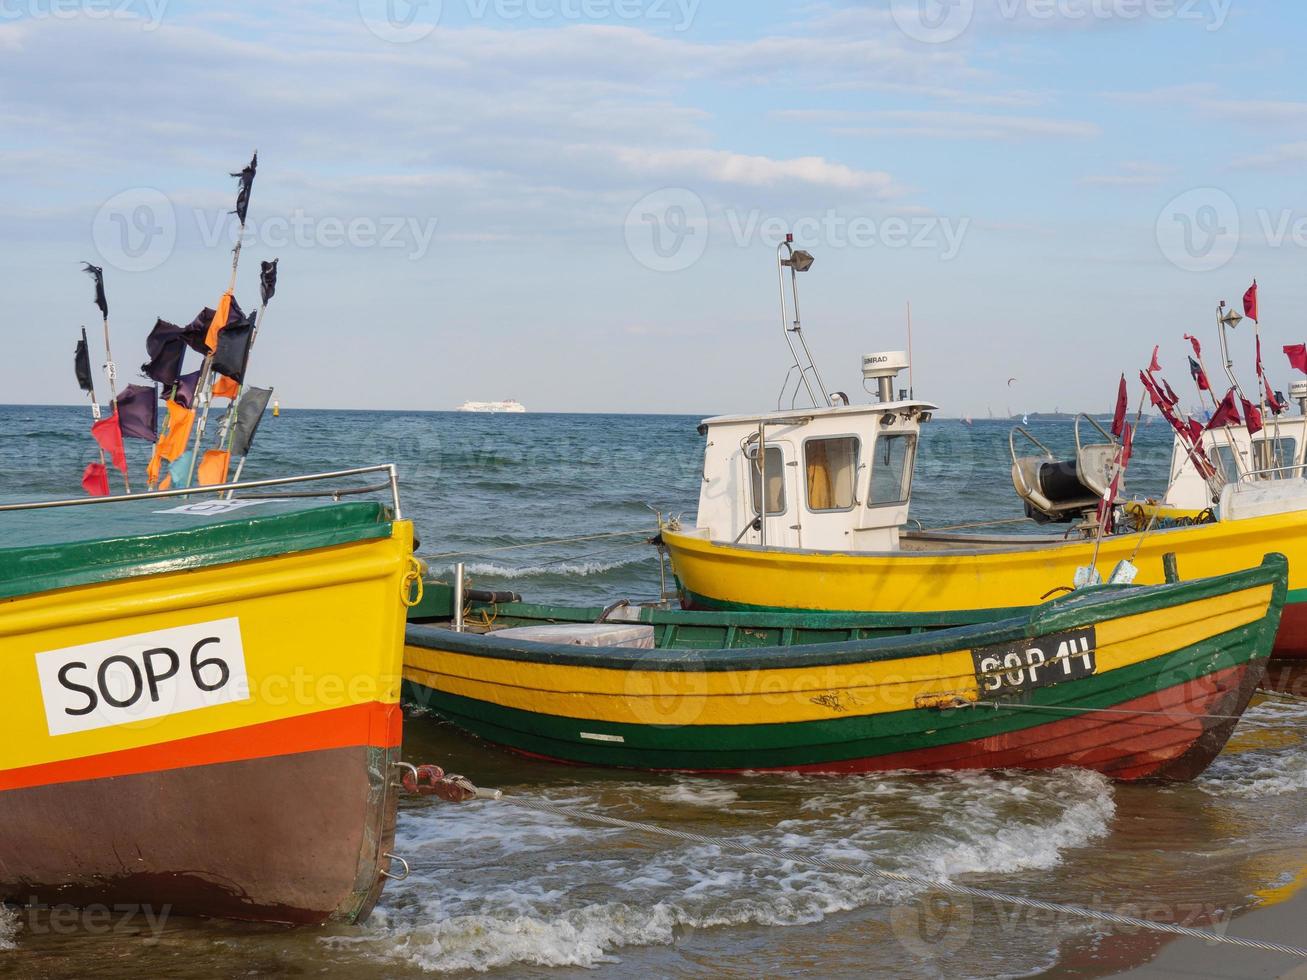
column 233, row 351
column 247, row 184
column 97, row 273
column 249, row 412
column 166, row 347
column 82, row 365
column 268, row 280
column 195, row 332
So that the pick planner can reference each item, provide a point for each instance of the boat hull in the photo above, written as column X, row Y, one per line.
column 1172, row 678
column 960, row 586
column 269, row 794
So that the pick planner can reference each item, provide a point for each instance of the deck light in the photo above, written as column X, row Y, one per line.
column 800, row 261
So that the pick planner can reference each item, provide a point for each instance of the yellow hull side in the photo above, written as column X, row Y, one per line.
column 320, row 630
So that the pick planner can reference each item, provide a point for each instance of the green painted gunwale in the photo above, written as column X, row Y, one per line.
column 794, row 744
column 35, row 569
column 1083, row 608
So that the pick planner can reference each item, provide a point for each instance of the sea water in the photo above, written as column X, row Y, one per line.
column 502, row 891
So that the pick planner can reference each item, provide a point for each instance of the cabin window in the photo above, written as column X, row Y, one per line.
column 831, row 466
column 1273, row 454
column 1225, row 464
column 775, row 467
column 891, row 470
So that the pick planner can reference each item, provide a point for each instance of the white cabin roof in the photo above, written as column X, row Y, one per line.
column 834, row 411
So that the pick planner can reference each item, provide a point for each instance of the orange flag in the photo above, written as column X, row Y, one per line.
column 156, row 463
column 173, row 442
column 225, row 387
column 219, row 321
column 213, row 468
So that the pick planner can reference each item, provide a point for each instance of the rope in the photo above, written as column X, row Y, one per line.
column 1174, row 715
column 901, row 877
column 968, row 527
column 533, row 544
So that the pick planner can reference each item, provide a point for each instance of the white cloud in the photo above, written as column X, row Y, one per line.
column 944, row 124
column 1131, row 174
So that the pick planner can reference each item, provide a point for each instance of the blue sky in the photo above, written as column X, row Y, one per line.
column 575, row 202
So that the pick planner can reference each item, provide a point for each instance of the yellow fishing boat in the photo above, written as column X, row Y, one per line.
column 808, row 509
column 201, row 702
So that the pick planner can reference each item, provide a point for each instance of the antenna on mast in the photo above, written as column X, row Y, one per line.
column 912, row 388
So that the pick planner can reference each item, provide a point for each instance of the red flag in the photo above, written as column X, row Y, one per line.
column 1150, row 387
column 1122, row 405
column 1199, row 375
column 1297, row 356
column 110, row 437
column 1253, row 417
column 1127, row 445
column 1205, row 468
column 1171, row 397
column 1195, row 430
column 1156, row 365
column 1227, row 413
column 1198, row 348
column 95, row 481
column 1250, row 302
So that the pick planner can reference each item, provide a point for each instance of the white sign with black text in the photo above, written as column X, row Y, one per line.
column 144, row 676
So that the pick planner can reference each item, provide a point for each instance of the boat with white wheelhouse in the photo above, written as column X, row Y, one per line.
column 808, row 509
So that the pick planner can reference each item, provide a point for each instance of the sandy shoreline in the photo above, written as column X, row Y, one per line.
column 1282, row 923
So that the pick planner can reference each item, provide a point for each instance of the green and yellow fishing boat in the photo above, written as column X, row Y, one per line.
column 1134, row 682
column 201, row 702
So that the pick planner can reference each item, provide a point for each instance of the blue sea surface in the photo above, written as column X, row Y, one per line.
column 481, row 487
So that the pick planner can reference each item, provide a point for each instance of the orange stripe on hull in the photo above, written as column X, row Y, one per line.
column 373, row 723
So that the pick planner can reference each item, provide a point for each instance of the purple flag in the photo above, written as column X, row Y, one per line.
column 166, row 348
column 138, row 412
column 186, row 384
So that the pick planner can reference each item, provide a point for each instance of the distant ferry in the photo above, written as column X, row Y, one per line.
column 509, row 406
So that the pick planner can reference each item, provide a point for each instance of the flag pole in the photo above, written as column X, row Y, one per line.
column 267, row 289
column 110, row 368
column 204, row 388
column 95, row 412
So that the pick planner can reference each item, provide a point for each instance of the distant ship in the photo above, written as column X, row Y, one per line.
column 510, row 406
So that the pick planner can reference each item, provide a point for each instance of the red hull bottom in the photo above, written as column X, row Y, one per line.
column 1172, row 735
column 1291, row 639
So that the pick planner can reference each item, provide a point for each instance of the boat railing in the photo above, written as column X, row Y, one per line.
column 391, row 485
column 1272, row 473
column 1083, row 417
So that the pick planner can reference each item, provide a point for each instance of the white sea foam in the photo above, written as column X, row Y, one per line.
column 495, row 886
column 699, row 793
column 576, row 569
column 8, row 928
column 1267, row 757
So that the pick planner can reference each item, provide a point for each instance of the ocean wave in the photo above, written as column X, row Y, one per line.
column 1266, row 758
column 542, row 890
column 577, row 569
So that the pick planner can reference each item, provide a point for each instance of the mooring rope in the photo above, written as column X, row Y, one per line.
column 906, row 878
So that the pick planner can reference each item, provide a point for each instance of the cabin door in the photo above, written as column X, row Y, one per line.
column 779, row 507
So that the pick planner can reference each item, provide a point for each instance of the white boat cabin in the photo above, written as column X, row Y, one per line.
column 1273, row 454
column 837, row 478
